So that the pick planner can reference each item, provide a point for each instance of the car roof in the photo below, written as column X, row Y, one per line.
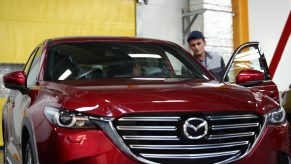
column 105, row 39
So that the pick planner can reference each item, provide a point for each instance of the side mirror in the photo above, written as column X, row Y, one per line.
column 15, row 80
column 249, row 77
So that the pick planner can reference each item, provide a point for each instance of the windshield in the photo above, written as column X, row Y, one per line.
column 92, row 60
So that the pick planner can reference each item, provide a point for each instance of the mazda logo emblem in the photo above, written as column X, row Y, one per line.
column 195, row 128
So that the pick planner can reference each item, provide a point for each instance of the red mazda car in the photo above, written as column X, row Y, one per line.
column 119, row 100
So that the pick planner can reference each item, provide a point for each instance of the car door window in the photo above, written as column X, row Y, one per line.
column 248, row 57
column 28, row 64
column 33, row 68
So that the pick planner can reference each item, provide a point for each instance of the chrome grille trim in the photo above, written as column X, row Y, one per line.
column 233, row 135
column 149, row 119
column 168, row 138
column 232, row 117
column 189, row 147
column 234, row 126
column 144, row 150
column 152, row 128
column 190, row 156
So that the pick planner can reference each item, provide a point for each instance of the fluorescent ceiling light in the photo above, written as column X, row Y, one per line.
column 82, row 109
column 147, row 78
column 243, row 65
column 144, row 56
column 248, row 53
column 65, row 74
column 169, row 101
column 248, row 58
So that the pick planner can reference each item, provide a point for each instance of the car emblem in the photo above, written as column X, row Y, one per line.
column 195, row 128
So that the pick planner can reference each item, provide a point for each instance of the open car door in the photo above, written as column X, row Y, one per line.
column 248, row 67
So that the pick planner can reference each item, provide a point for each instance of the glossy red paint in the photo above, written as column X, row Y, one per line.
column 101, row 102
column 97, row 148
column 249, row 75
column 268, row 150
column 15, row 78
column 158, row 95
column 269, row 89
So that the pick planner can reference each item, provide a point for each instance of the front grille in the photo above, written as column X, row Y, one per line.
column 162, row 138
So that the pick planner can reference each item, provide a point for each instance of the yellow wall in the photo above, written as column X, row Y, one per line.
column 240, row 22
column 2, row 101
column 25, row 23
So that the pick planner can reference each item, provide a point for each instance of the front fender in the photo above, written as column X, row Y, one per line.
column 28, row 132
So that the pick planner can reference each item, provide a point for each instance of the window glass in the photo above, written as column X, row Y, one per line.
column 28, row 63
column 33, row 71
column 72, row 61
column 247, row 58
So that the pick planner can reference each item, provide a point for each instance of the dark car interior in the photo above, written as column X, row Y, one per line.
column 73, row 61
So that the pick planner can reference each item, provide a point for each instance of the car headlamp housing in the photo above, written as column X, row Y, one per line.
column 67, row 118
column 277, row 116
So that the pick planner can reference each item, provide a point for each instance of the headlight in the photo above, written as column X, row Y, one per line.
column 277, row 116
column 67, row 118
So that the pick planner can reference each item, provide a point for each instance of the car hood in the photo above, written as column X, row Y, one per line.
column 117, row 97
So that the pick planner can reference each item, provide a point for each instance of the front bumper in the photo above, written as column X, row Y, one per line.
column 60, row 145
column 271, row 148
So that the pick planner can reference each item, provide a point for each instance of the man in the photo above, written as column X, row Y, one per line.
column 212, row 62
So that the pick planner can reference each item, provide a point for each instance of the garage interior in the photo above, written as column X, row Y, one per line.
column 225, row 23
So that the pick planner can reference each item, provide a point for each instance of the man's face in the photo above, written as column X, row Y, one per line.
column 197, row 46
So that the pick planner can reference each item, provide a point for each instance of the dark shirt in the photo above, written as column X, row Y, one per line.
column 215, row 64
